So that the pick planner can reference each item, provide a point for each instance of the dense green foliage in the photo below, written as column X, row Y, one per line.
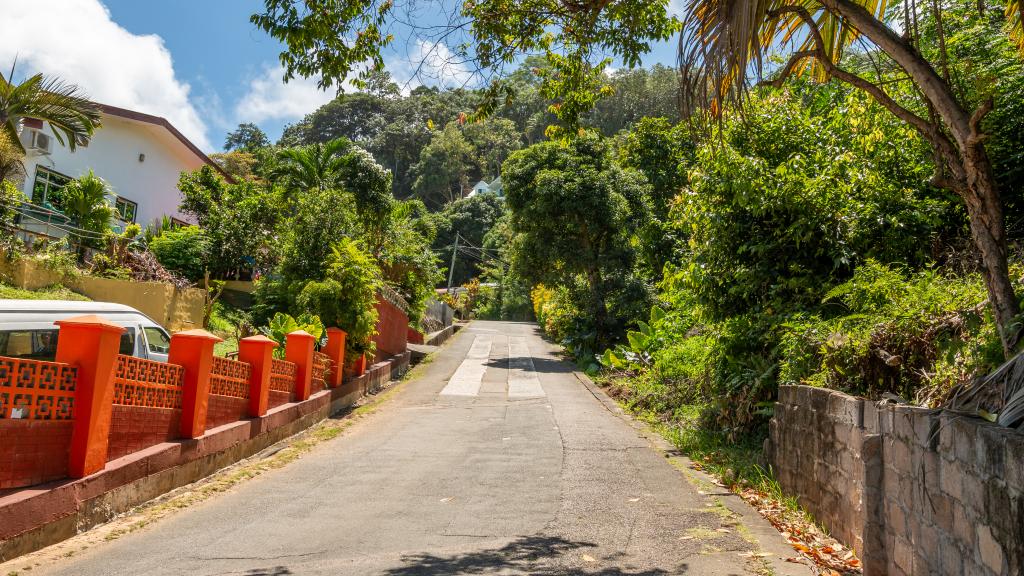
column 805, row 252
column 574, row 208
column 346, row 295
column 183, row 251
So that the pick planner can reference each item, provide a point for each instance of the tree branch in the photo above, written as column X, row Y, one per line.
column 787, row 70
column 930, row 131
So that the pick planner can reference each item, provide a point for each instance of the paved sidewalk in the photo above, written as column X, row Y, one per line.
column 495, row 460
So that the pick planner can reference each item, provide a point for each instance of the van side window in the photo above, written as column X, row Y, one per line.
column 159, row 343
column 30, row 344
column 127, row 342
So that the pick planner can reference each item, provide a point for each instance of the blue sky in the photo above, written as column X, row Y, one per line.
column 199, row 63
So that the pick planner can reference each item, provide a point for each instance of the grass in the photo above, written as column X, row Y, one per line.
column 55, row 292
column 224, row 323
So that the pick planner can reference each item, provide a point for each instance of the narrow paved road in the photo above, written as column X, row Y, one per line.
column 495, row 460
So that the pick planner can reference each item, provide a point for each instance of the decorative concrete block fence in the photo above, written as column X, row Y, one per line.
column 913, row 490
column 69, row 418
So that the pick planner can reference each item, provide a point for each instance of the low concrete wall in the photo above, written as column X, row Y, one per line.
column 914, row 491
column 439, row 337
column 175, row 309
column 36, row 517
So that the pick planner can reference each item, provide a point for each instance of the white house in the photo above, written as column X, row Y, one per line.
column 482, row 187
column 140, row 156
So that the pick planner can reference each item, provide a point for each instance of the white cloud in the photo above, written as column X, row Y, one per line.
column 269, row 98
column 430, row 64
column 78, row 41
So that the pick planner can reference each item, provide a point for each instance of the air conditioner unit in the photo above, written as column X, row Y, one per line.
column 39, row 142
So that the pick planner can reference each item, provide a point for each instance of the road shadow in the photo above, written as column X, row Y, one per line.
column 537, row 555
column 545, row 365
column 275, row 571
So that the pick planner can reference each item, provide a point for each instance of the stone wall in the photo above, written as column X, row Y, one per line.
column 912, row 490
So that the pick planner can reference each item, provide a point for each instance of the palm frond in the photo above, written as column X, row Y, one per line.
column 724, row 43
column 71, row 115
column 1015, row 22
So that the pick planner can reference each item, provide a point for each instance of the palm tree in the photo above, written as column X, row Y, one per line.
column 723, row 40
column 318, row 166
column 71, row 115
column 84, row 200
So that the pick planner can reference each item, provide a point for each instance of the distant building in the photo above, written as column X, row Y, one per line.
column 140, row 157
column 481, row 187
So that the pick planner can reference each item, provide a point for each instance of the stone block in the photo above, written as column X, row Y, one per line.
column 885, row 420
column 964, row 432
column 998, row 508
column 974, row 496
column 941, row 511
column 785, row 394
column 903, row 554
column 801, row 396
column 903, row 422
column 952, row 557
column 819, row 398
column 846, row 409
column 1013, row 459
column 990, row 551
column 951, row 479
column 990, row 449
column 963, row 527
column 896, row 519
column 926, row 542
column 897, row 456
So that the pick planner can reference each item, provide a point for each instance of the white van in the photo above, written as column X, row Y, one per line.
column 27, row 328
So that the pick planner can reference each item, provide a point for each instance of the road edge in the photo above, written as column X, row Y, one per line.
column 767, row 537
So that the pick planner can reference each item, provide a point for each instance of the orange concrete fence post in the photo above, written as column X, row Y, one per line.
column 335, row 350
column 90, row 343
column 298, row 349
column 258, row 353
column 193, row 350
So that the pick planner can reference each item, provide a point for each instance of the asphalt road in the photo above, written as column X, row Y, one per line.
column 496, row 459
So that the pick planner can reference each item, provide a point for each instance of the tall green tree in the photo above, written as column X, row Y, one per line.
column 316, row 166
column 444, row 167
column 574, row 209
column 248, row 137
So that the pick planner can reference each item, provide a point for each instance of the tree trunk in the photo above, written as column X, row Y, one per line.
column 599, row 308
column 971, row 170
column 985, row 210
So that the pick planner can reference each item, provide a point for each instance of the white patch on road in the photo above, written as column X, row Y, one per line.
column 522, row 375
column 467, row 378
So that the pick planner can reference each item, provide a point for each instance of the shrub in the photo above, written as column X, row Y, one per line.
column 346, row 298
column 281, row 325
column 183, row 251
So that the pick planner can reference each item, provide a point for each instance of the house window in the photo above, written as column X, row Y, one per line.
column 126, row 208
column 47, row 186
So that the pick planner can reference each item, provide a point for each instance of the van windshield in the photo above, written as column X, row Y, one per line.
column 42, row 344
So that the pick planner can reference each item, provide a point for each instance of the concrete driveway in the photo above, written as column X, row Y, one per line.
column 496, row 459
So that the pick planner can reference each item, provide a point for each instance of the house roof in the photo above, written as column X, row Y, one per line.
column 160, row 121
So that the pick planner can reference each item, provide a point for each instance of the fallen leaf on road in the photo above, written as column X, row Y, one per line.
column 448, row 499
column 723, row 530
column 588, row 558
column 634, row 499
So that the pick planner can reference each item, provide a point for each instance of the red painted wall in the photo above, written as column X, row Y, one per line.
column 33, row 451
column 278, row 398
column 392, row 329
column 133, row 428
column 225, row 409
